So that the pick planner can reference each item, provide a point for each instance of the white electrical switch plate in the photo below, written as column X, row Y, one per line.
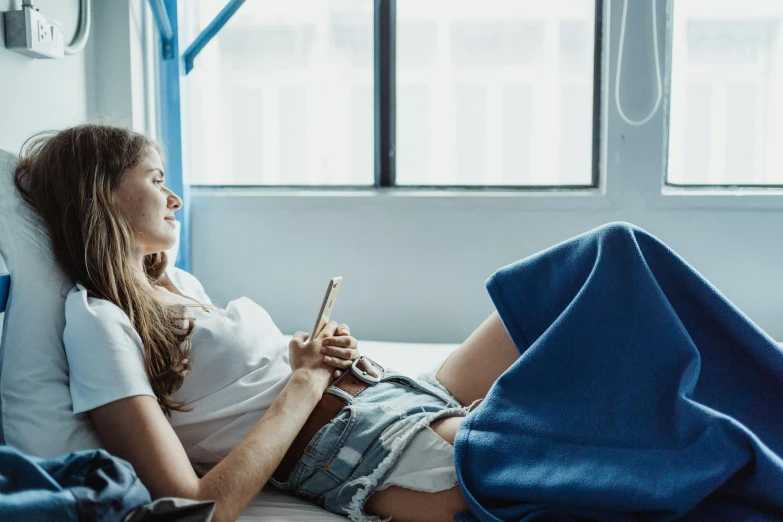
column 33, row 34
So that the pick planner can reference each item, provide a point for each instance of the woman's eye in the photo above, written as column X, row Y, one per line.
column 159, row 181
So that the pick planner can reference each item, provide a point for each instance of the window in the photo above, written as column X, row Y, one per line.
column 282, row 95
column 726, row 124
column 493, row 93
column 498, row 92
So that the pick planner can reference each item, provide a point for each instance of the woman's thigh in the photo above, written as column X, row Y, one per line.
column 473, row 367
column 467, row 374
column 406, row 505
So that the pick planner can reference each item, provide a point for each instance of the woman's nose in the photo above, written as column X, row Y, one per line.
column 174, row 201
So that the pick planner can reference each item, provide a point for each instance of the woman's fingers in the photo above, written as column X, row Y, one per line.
column 340, row 353
column 341, row 342
column 300, row 337
column 337, row 362
column 329, row 330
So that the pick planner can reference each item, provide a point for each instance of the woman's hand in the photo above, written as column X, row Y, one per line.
column 332, row 347
column 340, row 349
column 304, row 357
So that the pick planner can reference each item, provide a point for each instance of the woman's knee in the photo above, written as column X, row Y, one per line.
column 620, row 234
column 618, row 229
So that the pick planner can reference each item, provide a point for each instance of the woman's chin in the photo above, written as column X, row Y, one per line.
column 163, row 246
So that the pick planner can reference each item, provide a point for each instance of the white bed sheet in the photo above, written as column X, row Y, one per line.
column 275, row 506
column 409, row 358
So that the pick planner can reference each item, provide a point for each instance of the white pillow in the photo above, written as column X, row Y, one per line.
column 37, row 414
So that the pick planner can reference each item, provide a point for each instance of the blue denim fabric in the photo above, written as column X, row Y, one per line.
column 430, row 377
column 84, row 485
column 347, row 458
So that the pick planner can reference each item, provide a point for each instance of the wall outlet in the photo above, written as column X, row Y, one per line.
column 33, row 34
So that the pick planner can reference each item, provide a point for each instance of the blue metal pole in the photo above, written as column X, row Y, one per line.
column 171, row 72
column 209, row 32
column 5, row 285
column 164, row 27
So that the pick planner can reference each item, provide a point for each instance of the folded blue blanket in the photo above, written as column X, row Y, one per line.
column 641, row 393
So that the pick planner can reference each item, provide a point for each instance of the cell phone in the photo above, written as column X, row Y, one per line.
column 327, row 305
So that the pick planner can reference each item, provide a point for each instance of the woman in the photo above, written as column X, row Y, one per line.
column 640, row 393
column 132, row 330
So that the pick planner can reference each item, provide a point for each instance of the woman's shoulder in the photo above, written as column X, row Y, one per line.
column 188, row 284
column 105, row 353
column 79, row 301
column 86, row 315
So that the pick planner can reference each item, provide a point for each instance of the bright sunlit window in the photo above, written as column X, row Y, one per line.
column 497, row 92
column 726, row 123
column 282, row 95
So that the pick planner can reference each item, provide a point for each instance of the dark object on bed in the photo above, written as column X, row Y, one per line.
column 172, row 510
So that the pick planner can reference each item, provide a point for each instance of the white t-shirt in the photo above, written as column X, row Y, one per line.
column 239, row 361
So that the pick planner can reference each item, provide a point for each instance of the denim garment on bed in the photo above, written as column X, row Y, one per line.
column 347, row 458
column 641, row 393
column 83, row 485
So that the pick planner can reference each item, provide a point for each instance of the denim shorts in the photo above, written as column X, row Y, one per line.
column 430, row 377
column 348, row 456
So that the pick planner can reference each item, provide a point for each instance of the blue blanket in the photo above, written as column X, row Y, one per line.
column 641, row 393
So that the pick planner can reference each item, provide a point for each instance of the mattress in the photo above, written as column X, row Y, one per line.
column 408, row 358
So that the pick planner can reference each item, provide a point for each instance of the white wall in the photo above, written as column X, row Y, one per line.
column 120, row 79
column 37, row 95
column 107, row 81
column 414, row 264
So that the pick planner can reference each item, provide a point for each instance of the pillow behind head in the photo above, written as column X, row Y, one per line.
column 36, row 402
column 37, row 413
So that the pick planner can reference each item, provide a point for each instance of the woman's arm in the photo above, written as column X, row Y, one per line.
column 136, row 430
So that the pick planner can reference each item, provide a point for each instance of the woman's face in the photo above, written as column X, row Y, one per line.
column 148, row 205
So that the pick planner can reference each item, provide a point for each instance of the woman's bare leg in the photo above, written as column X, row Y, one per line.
column 468, row 374
column 406, row 505
column 473, row 367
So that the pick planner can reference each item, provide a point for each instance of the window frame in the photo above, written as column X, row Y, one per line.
column 629, row 162
column 384, row 153
column 724, row 12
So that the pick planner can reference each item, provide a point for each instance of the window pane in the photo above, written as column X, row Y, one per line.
column 726, row 121
column 498, row 92
column 282, row 95
column 516, row 134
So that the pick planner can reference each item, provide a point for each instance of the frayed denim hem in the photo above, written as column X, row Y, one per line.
column 368, row 483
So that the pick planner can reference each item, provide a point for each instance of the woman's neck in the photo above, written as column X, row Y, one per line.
column 140, row 273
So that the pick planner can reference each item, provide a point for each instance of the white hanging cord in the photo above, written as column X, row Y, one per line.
column 80, row 39
column 619, row 72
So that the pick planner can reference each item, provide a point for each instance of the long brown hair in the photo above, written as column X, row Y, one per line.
column 68, row 177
